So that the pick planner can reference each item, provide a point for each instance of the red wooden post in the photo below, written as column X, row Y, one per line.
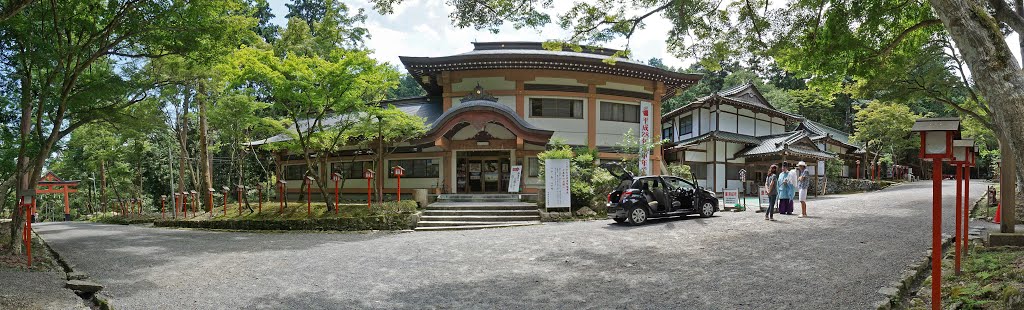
column 280, row 194
column 967, row 199
column 28, row 231
column 858, row 169
column 336, row 177
column 309, row 196
column 184, row 203
column 959, row 236
column 936, row 234
column 368, row 174
column 399, row 172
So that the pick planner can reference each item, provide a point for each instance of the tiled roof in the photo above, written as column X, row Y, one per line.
column 744, row 96
column 720, row 136
column 785, row 143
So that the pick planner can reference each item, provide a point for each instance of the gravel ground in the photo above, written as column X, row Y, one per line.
column 27, row 290
column 838, row 259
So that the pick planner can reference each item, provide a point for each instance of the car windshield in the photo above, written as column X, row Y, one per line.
column 680, row 184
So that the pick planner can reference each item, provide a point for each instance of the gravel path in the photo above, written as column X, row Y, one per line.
column 838, row 259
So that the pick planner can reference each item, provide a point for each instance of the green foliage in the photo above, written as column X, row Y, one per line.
column 680, row 170
column 407, row 87
column 884, row 128
column 631, row 144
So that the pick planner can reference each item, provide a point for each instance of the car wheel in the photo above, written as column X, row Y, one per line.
column 707, row 209
column 619, row 220
column 637, row 216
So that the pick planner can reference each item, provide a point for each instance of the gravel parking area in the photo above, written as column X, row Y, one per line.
column 837, row 259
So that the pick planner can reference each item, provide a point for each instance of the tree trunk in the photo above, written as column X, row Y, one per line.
column 995, row 72
column 183, row 141
column 103, row 183
column 206, row 168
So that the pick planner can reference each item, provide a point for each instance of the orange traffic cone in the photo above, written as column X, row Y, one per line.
column 999, row 210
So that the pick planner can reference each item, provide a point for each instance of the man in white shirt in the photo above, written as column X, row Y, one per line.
column 803, row 183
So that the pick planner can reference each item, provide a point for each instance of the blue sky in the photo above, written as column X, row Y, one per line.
column 422, row 28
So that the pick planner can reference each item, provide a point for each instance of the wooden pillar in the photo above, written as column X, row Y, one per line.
column 592, row 116
column 67, row 204
column 446, row 90
column 659, row 91
column 520, row 98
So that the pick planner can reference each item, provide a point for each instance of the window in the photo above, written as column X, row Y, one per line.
column 678, row 183
column 666, row 130
column 686, row 125
column 533, row 169
column 620, row 112
column 416, row 168
column 699, row 171
column 351, row 170
column 556, row 108
column 294, row 172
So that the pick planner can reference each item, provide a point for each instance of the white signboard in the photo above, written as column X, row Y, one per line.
column 762, row 193
column 731, row 196
column 556, row 184
column 743, row 175
column 513, row 179
column 646, row 116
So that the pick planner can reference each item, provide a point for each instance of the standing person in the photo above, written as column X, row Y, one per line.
column 803, row 182
column 786, row 187
column 773, row 191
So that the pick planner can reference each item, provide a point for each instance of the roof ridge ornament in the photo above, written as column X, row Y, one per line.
column 478, row 93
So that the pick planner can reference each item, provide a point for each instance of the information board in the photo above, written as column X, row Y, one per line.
column 514, row 178
column 556, row 184
column 763, row 195
column 731, row 196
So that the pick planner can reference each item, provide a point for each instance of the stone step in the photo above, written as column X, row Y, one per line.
column 479, row 218
column 465, row 223
column 491, row 212
column 482, row 206
column 479, row 198
column 471, row 227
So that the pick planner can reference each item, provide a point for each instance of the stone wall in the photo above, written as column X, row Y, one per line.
column 844, row 185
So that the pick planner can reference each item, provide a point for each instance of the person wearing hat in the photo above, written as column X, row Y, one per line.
column 803, row 182
column 786, row 189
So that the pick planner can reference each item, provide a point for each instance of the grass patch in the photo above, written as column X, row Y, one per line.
column 123, row 219
column 41, row 259
column 992, row 278
column 298, row 211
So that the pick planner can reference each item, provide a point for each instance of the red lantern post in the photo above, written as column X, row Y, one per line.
column 184, row 203
column 937, row 136
column 27, row 201
column 336, row 177
column 368, row 174
column 398, row 171
column 858, row 169
column 209, row 199
column 281, row 184
column 961, row 157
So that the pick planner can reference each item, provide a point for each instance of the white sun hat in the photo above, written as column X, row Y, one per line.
column 801, row 164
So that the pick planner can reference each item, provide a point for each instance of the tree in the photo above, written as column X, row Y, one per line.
column 319, row 96
column 884, row 128
column 407, row 87
column 76, row 62
column 383, row 129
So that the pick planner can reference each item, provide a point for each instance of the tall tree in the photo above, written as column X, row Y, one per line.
column 76, row 62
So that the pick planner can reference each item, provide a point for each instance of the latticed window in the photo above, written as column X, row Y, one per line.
column 620, row 112
column 416, row 168
column 556, row 108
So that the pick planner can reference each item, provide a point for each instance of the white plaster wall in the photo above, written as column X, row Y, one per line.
column 556, row 81
column 705, row 121
column 629, row 87
column 720, row 151
column 777, row 128
column 712, row 121
column 728, row 122
column 747, row 126
column 764, row 128
column 509, row 101
column 720, row 172
column 692, row 156
column 488, row 83
column 573, row 130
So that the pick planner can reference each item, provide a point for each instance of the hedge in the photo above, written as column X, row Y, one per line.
column 402, row 221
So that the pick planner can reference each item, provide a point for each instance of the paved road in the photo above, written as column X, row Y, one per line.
column 838, row 259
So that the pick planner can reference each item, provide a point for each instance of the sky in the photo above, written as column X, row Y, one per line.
column 422, row 28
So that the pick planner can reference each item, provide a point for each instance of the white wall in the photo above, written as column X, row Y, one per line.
column 747, row 126
column 573, row 130
column 728, row 122
column 488, row 83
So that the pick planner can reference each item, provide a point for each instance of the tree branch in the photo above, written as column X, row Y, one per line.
column 903, row 35
column 1005, row 14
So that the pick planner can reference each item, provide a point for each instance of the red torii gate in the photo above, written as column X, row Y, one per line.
column 52, row 184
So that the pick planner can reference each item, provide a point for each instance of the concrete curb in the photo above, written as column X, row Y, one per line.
column 899, row 291
column 98, row 301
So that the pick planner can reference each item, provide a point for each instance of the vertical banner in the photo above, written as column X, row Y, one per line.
column 514, row 178
column 556, row 183
column 645, row 137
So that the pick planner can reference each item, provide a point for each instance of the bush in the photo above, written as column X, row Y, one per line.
column 679, row 170
column 119, row 219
